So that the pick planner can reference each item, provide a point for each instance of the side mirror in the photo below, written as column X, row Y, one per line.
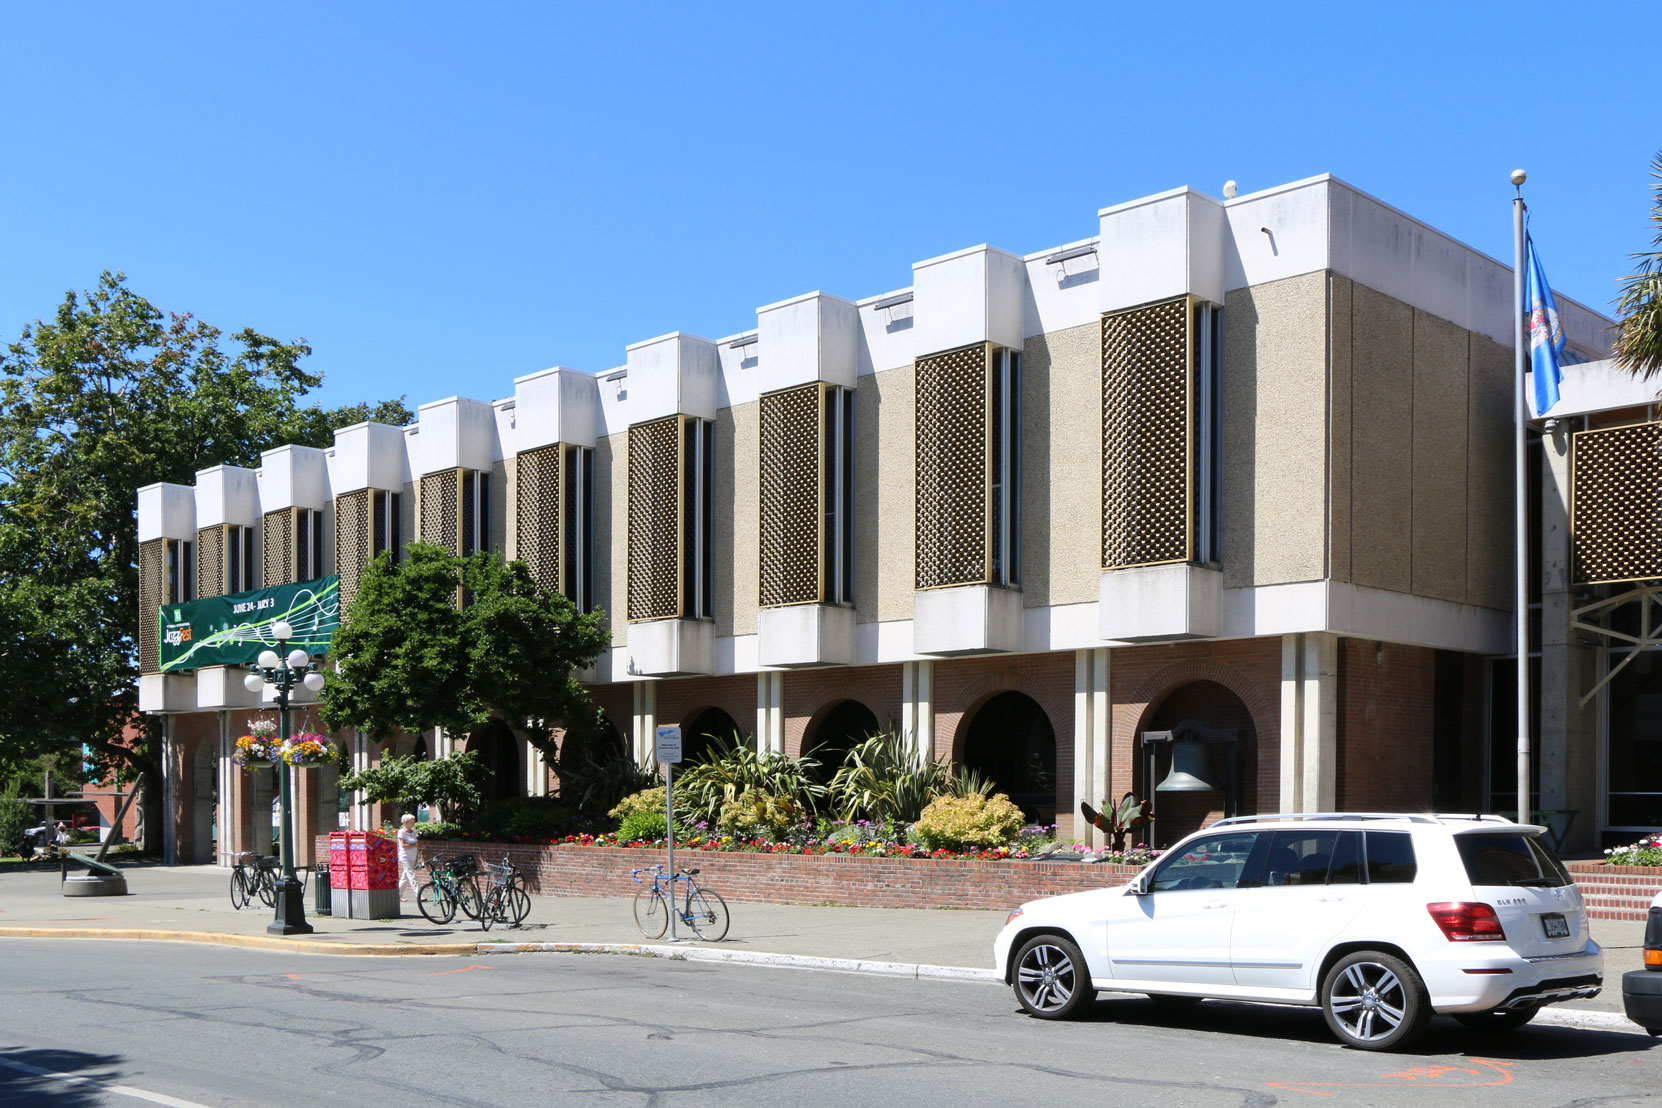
column 1139, row 884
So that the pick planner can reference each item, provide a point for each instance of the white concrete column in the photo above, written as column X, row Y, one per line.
column 170, row 794
column 643, row 725
column 1090, row 739
column 770, row 712
column 1309, row 722
column 226, row 771
column 536, row 769
column 917, row 712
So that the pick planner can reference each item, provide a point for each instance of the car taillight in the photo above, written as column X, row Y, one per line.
column 1465, row 921
column 1653, row 958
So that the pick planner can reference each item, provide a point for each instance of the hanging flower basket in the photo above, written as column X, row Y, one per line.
column 309, row 751
column 254, row 751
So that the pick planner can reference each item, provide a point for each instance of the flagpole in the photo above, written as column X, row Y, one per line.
column 1520, row 491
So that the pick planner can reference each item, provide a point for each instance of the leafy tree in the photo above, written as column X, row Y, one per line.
column 1638, row 345
column 108, row 395
column 408, row 658
column 456, row 783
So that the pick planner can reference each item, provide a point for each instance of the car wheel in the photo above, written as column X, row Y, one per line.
column 1374, row 1001
column 1051, row 979
column 1498, row 1020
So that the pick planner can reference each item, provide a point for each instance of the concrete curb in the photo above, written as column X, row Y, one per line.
column 747, row 957
column 220, row 938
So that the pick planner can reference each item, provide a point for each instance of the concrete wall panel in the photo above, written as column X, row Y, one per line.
column 1382, row 439
column 885, row 496
column 1062, row 467
column 1439, row 458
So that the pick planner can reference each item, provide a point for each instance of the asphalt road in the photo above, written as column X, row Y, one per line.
column 118, row 1023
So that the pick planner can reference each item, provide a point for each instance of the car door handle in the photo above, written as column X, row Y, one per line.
column 1328, row 899
column 1216, row 904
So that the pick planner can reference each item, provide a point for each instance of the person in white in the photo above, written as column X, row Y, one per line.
column 409, row 856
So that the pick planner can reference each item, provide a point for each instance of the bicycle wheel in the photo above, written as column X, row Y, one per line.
column 489, row 907
column 434, row 904
column 266, row 886
column 651, row 914
column 707, row 913
column 468, row 898
column 519, row 904
column 239, row 889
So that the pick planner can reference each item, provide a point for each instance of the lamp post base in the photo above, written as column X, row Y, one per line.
column 290, row 916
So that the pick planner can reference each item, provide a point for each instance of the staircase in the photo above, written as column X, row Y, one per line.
column 1616, row 892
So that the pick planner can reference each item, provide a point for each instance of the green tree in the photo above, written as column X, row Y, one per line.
column 407, row 658
column 1638, row 346
column 108, row 395
column 455, row 783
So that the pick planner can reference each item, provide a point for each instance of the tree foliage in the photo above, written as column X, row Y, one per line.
column 1638, row 345
column 456, row 783
column 408, row 658
column 106, row 396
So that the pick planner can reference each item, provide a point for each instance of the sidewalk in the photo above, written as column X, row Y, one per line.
column 192, row 903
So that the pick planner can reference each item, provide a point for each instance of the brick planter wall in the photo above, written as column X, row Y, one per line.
column 796, row 878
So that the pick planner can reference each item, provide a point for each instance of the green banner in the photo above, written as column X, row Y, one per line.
column 232, row 630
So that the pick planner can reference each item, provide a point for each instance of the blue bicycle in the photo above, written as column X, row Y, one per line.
column 701, row 909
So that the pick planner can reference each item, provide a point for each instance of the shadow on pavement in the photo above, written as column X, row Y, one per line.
column 28, row 1077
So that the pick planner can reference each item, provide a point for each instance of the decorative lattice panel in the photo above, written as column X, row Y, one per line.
column 1147, row 456
column 655, row 561
column 152, row 561
column 353, row 541
column 537, row 510
column 953, row 459
column 277, row 547
column 440, row 514
column 792, row 494
column 210, row 561
column 1616, row 504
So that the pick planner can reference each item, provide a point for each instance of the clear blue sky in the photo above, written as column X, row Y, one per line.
column 443, row 197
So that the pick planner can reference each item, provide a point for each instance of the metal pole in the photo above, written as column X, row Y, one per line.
column 290, row 914
column 669, row 828
column 1520, row 491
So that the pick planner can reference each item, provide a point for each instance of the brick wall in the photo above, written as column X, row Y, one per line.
column 1386, row 701
column 809, row 694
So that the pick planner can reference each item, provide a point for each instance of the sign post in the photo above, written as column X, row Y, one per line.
column 668, row 751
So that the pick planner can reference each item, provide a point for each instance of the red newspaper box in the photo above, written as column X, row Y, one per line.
column 364, row 875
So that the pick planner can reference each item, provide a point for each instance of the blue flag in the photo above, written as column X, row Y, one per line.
column 1546, row 336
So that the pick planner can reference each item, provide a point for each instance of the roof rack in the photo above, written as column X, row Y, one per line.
column 1412, row 817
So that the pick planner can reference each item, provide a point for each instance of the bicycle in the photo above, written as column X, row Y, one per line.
column 253, row 875
column 453, row 886
column 702, row 909
column 505, row 898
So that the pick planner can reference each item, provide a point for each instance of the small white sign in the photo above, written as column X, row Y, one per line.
column 669, row 745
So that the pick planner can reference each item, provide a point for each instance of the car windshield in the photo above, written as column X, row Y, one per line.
column 1510, row 859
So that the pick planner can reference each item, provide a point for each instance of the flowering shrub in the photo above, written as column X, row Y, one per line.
column 959, row 822
column 1645, row 852
column 756, row 812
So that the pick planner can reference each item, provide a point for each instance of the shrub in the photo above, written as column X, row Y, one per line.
column 644, row 824
column 438, row 829
column 883, row 778
column 647, row 800
column 529, row 817
column 758, row 814
column 968, row 822
column 733, row 769
column 1646, row 852
column 15, row 817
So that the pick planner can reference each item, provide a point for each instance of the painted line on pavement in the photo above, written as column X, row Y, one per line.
column 260, row 942
column 101, row 1086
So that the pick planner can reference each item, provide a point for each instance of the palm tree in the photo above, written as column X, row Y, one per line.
column 1638, row 346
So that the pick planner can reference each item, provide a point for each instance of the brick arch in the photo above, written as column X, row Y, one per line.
column 810, row 730
column 1058, row 708
column 1157, row 685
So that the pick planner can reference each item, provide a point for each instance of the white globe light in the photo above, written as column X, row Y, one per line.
column 253, row 682
column 313, row 681
column 269, row 659
column 299, row 659
column 282, row 630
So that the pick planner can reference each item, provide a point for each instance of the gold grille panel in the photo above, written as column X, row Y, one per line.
column 1616, row 504
column 210, row 561
column 953, row 459
column 277, row 547
column 152, row 560
column 541, row 477
column 353, row 541
column 792, row 495
column 440, row 514
column 1147, row 451
column 655, row 557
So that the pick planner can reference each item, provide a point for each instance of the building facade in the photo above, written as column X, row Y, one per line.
column 1237, row 471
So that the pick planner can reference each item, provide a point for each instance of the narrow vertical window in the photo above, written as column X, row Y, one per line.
column 384, row 523
column 838, row 479
column 181, row 571
column 1004, row 430
column 1208, row 333
column 698, row 446
column 577, row 489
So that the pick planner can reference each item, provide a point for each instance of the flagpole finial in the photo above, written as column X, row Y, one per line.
column 1519, row 177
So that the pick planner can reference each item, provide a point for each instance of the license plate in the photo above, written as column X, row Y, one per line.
column 1556, row 925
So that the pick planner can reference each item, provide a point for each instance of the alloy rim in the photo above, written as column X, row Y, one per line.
column 1046, row 975
column 1368, row 1001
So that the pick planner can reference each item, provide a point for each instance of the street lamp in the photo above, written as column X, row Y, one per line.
column 283, row 674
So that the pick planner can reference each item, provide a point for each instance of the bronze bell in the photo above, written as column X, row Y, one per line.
column 1190, row 769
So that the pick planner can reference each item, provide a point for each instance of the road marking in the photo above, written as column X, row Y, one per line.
column 464, row 969
column 1496, row 1072
column 101, row 1086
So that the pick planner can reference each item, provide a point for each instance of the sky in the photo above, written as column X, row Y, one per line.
column 441, row 198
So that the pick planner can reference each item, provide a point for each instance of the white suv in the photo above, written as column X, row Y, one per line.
column 1380, row 920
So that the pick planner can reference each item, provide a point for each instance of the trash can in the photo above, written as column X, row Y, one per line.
column 322, row 894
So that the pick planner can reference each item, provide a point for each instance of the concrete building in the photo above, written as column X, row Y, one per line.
column 1239, row 470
